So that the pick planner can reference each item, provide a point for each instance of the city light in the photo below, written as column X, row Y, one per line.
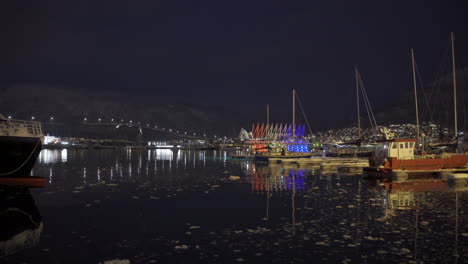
column 99, row 119
column 9, row 117
column 85, row 119
column 51, row 118
column 32, row 118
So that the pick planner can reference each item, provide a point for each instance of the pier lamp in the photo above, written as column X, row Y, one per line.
column 155, row 126
column 112, row 120
column 32, row 118
column 185, row 132
column 131, row 121
column 170, row 130
column 194, row 134
column 121, row 120
column 85, row 119
column 51, row 118
column 147, row 125
column 9, row 117
column 163, row 128
column 99, row 119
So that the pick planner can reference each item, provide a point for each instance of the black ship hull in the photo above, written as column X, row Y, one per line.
column 18, row 155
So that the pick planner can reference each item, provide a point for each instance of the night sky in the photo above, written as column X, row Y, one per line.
column 241, row 54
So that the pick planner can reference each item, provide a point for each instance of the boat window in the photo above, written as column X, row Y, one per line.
column 394, row 145
column 412, row 145
column 406, row 145
column 401, row 145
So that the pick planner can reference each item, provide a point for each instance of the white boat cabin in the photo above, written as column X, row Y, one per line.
column 402, row 149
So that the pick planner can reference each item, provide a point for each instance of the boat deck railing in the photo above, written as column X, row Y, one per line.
column 33, row 127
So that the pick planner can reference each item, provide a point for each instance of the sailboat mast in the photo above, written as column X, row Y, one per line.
column 268, row 114
column 454, row 85
column 415, row 93
column 357, row 104
column 294, row 114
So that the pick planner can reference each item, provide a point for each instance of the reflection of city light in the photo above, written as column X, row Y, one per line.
column 64, row 155
column 49, row 156
column 163, row 154
column 268, row 179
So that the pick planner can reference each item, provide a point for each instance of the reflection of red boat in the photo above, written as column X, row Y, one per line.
column 417, row 186
column 398, row 155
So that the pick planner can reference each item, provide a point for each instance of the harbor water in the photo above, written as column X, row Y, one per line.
column 186, row 206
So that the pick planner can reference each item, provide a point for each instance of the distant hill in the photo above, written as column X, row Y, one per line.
column 71, row 106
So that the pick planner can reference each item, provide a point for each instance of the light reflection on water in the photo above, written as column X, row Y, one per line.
column 328, row 217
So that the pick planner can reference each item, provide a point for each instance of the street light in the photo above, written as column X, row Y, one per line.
column 85, row 119
column 51, row 118
column 99, row 119
column 32, row 118
column 9, row 117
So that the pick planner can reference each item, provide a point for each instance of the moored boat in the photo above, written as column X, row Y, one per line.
column 20, row 144
column 280, row 152
column 398, row 155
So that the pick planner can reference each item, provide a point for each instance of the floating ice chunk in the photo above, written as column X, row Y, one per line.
column 116, row 261
column 234, row 178
column 181, row 247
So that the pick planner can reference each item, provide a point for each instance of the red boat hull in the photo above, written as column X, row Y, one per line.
column 425, row 164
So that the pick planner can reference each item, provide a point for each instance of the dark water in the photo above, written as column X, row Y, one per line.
column 155, row 206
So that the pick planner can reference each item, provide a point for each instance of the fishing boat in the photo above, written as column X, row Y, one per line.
column 20, row 144
column 398, row 155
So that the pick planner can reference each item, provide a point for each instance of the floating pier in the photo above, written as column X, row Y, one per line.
column 326, row 164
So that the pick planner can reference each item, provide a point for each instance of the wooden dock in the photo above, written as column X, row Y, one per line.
column 326, row 164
